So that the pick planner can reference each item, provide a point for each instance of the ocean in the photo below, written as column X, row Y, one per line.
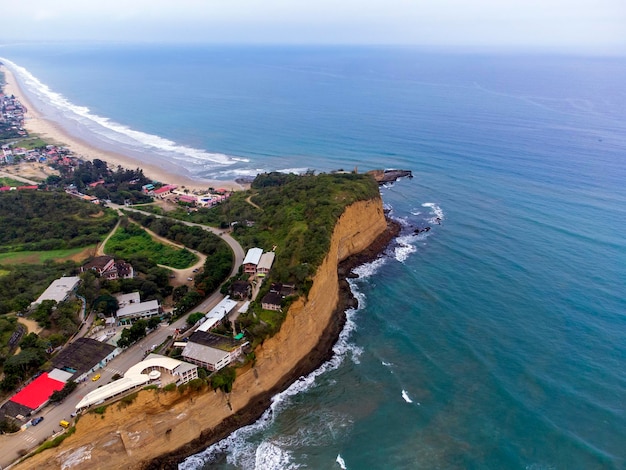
column 495, row 340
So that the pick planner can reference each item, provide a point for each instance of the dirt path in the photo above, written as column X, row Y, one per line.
column 249, row 201
column 182, row 276
column 100, row 249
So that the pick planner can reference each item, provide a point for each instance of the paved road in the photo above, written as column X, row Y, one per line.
column 10, row 445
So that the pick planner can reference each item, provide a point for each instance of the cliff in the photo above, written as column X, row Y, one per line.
column 171, row 425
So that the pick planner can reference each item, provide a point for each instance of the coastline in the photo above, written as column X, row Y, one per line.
column 319, row 355
column 36, row 123
column 158, row 430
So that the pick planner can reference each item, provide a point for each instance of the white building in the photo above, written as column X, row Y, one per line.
column 150, row 369
column 59, row 290
column 217, row 314
column 211, row 351
column 132, row 309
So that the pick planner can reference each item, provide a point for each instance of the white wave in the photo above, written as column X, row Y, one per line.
column 236, row 445
column 404, row 247
column 271, row 457
column 115, row 131
column 387, row 364
column 368, row 269
column 406, row 397
column 435, row 211
column 341, row 462
column 415, row 212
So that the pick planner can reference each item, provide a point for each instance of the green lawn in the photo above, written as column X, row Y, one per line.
column 133, row 241
column 6, row 181
column 39, row 257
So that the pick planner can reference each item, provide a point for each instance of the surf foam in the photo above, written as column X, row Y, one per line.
column 114, row 131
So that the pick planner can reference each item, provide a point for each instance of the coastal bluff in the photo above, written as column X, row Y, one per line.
column 158, row 429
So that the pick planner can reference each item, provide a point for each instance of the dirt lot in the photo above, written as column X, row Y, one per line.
column 30, row 170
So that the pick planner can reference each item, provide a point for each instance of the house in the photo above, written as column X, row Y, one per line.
column 284, row 290
column 265, row 263
column 108, row 268
column 272, row 301
column 212, row 351
column 164, row 190
column 251, row 261
column 241, row 290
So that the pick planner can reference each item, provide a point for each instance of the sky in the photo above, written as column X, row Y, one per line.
column 585, row 25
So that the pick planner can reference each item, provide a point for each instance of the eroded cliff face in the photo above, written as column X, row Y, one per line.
column 171, row 424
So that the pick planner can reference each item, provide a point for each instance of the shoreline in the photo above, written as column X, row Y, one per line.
column 38, row 124
column 319, row 355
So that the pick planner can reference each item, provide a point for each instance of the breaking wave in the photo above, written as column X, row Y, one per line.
column 113, row 131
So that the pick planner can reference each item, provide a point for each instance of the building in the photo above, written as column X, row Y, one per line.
column 265, row 263
column 272, row 301
column 241, row 290
column 59, row 290
column 153, row 369
column 217, row 314
column 107, row 267
column 212, row 351
column 251, row 261
column 131, row 308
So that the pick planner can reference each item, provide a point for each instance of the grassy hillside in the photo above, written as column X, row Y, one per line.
column 37, row 221
column 132, row 241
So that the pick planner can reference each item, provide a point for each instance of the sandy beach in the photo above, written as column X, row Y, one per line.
column 36, row 123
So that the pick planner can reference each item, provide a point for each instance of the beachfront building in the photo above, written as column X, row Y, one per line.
column 59, row 290
column 155, row 369
column 212, row 351
column 131, row 308
column 164, row 190
column 251, row 261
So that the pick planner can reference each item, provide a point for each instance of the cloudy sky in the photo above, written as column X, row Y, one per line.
column 554, row 24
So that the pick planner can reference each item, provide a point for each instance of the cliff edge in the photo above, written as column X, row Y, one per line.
column 160, row 428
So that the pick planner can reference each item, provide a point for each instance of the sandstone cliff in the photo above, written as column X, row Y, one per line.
column 171, row 425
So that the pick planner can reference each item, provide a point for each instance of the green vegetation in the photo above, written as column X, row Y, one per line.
column 100, row 410
column 127, row 400
column 5, row 181
column 133, row 334
column 34, row 221
column 56, row 442
column 62, row 318
column 132, row 240
column 39, row 257
column 224, row 379
column 218, row 264
column 169, row 387
column 194, row 317
column 119, row 185
column 23, row 284
column 60, row 395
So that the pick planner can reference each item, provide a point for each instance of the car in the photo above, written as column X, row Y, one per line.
column 95, row 377
column 36, row 421
column 190, row 278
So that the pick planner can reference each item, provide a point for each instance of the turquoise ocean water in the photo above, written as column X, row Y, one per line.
column 497, row 339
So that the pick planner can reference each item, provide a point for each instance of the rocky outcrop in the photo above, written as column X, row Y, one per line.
column 389, row 176
column 158, row 429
